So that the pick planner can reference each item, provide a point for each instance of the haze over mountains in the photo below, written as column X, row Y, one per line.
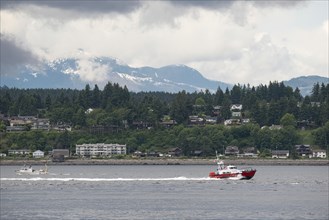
column 76, row 73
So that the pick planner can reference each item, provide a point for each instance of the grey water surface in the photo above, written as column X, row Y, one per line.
column 164, row 192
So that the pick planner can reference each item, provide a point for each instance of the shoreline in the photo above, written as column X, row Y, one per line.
column 172, row 161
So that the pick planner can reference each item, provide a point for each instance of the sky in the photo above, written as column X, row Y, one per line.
column 246, row 42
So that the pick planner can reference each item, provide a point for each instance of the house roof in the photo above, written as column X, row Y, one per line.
column 280, row 151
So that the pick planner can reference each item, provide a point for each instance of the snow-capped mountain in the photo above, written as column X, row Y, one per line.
column 305, row 83
column 76, row 73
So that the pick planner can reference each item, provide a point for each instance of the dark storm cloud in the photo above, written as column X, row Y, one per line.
column 13, row 57
column 224, row 4
column 203, row 4
column 82, row 6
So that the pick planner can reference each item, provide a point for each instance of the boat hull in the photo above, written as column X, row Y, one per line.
column 243, row 175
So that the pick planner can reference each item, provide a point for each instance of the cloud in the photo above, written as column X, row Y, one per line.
column 91, row 71
column 14, row 56
column 262, row 61
column 232, row 41
column 82, row 6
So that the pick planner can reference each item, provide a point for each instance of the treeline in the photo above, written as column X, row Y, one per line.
column 207, row 139
column 115, row 106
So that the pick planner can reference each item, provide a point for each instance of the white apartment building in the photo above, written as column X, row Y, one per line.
column 100, row 149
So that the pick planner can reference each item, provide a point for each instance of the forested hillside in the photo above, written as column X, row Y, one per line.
column 139, row 119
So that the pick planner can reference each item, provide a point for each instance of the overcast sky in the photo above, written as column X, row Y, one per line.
column 231, row 41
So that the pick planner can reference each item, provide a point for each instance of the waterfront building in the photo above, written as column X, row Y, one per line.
column 100, row 149
column 280, row 154
column 319, row 153
column 38, row 154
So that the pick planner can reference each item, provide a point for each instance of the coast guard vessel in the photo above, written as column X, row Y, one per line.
column 231, row 171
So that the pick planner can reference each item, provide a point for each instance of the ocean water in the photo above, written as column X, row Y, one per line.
column 164, row 192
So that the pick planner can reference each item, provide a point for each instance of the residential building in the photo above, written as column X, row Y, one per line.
column 100, row 149
column 58, row 155
column 249, row 152
column 21, row 123
column 303, row 150
column 64, row 152
column 216, row 110
column 38, row 154
column 236, row 107
column 231, row 151
column 236, row 110
column 175, row 152
column 210, row 120
column 18, row 152
column 236, row 114
column 280, row 154
column 319, row 153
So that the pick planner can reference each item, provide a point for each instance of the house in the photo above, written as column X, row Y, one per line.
column 194, row 119
column 249, row 152
column 232, row 122
column 236, row 107
column 41, row 124
column 319, row 153
column 58, row 155
column 245, row 120
column 231, row 151
column 216, row 110
column 19, row 152
column 303, row 150
column 21, row 123
column 175, row 152
column 38, row 154
column 236, row 110
column 236, row 114
column 210, row 120
column 197, row 153
column 64, row 152
column 280, row 154
column 168, row 123
column 139, row 154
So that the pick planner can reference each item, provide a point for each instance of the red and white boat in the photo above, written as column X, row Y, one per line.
column 231, row 172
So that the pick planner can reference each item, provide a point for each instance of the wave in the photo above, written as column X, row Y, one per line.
column 108, row 179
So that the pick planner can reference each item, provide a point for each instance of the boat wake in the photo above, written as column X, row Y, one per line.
column 108, row 179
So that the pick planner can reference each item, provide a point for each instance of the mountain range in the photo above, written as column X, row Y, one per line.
column 76, row 73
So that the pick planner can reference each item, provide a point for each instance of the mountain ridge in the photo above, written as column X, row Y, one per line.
column 76, row 73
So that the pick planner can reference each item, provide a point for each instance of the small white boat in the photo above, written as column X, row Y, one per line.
column 29, row 170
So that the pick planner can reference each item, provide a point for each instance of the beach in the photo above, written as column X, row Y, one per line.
column 169, row 161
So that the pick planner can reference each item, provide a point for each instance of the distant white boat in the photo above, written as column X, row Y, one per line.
column 29, row 170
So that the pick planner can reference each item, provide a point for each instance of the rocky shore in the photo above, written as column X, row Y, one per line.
column 171, row 161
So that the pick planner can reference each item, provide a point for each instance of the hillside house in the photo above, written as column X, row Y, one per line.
column 217, row 110
column 236, row 110
column 21, row 123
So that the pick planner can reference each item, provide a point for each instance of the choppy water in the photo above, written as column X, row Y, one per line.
column 164, row 192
